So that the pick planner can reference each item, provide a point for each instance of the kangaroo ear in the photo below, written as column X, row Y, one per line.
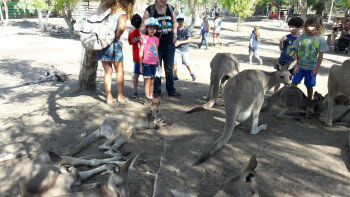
column 277, row 66
column 248, row 177
column 112, row 168
column 252, row 164
column 129, row 163
column 55, row 159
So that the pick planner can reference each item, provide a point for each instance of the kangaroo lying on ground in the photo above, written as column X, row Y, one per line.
column 290, row 97
column 247, row 186
column 119, row 128
column 244, row 96
column 117, row 184
column 338, row 84
column 223, row 67
column 51, row 175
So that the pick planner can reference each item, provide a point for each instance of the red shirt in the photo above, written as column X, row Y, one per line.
column 134, row 40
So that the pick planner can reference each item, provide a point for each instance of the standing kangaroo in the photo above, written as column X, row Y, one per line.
column 244, row 96
column 223, row 67
column 119, row 128
column 338, row 84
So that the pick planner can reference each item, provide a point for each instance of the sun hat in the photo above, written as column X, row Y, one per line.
column 180, row 17
column 152, row 22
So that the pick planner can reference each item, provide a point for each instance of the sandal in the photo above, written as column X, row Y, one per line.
column 114, row 101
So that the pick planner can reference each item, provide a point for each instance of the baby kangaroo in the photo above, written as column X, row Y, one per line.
column 244, row 96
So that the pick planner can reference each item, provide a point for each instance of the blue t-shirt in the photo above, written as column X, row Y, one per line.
column 204, row 27
column 287, row 55
column 255, row 41
column 308, row 49
column 183, row 34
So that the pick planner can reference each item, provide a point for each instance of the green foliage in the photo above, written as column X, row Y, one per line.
column 32, row 5
column 240, row 8
column 343, row 3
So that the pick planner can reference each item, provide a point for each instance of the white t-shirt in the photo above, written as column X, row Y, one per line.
column 217, row 23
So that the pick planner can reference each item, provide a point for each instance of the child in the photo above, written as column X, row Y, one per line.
column 149, row 59
column 309, row 49
column 217, row 28
column 204, row 31
column 286, row 44
column 134, row 40
column 182, row 47
column 253, row 45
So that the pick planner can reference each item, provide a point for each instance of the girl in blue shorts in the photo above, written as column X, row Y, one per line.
column 309, row 49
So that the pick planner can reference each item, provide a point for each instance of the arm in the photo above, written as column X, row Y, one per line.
column 121, row 26
column 318, row 65
column 281, row 42
column 158, row 62
column 141, row 56
column 143, row 23
column 296, row 68
column 174, row 28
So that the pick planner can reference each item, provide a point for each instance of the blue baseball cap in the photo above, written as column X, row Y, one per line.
column 152, row 22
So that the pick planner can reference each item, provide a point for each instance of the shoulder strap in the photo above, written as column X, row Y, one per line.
column 171, row 9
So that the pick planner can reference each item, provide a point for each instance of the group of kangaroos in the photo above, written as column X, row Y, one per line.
column 54, row 175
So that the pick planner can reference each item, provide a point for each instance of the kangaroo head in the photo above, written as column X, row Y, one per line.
column 282, row 75
column 68, row 175
column 320, row 102
column 247, row 180
column 155, row 107
column 118, row 180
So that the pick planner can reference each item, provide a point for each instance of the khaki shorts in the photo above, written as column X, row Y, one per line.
column 182, row 57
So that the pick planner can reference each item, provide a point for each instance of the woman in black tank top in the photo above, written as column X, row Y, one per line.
column 164, row 13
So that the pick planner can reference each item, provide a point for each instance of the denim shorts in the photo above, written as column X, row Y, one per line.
column 149, row 70
column 309, row 81
column 182, row 57
column 112, row 53
column 137, row 68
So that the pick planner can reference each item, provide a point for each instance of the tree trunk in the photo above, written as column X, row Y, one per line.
column 303, row 9
column 192, row 6
column 87, row 76
column 6, row 20
column 324, row 13
column 47, row 16
column 330, row 12
column 67, row 15
column 41, row 22
column 239, row 22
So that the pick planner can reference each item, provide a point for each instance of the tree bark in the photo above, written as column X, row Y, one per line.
column 48, row 16
column 41, row 22
column 6, row 20
column 87, row 76
column 239, row 22
column 67, row 15
column 330, row 12
column 324, row 13
column 303, row 9
column 193, row 13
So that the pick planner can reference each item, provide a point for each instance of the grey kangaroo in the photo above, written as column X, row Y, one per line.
column 119, row 128
column 290, row 97
column 223, row 67
column 244, row 97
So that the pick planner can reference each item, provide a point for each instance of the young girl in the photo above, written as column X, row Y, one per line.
column 253, row 45
column 204, row 31
column 149, row 59
column 309, row 49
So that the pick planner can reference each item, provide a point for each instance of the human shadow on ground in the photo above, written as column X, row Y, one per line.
column 288, row 151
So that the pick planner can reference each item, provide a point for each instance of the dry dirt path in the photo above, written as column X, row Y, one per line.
column 302, row 158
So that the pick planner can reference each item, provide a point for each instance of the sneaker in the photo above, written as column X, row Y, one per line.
column 193, row 77
column 174, row 94
column 260, row 61
column 176, row 78
column 147, row 102
column 135, row 95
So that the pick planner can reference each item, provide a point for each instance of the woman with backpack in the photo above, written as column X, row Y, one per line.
column 112, row 56
column 167, row 33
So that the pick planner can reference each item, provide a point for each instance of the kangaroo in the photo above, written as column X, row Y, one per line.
column 338, row 84
column 223, row 67
column 119, row 128
column 117, row 184
column 243, row 97
column 47, row 175
column 245, row 183
column 290, row 97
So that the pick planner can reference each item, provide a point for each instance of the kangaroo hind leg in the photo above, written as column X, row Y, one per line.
column 255, row 129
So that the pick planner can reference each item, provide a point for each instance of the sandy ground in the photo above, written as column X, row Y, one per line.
column 295, row 158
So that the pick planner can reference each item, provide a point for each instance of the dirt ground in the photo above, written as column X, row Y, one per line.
column 295, row 158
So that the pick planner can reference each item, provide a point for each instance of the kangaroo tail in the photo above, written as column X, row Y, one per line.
column 88, row 140
column 206, row 106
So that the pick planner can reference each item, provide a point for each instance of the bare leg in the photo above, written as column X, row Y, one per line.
column 107, row 66
column 175, row 69
column 147, row 82
column 310, row 93
column 151, row 88
column 136, row 81
column 189, row 69
column 120, row 79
